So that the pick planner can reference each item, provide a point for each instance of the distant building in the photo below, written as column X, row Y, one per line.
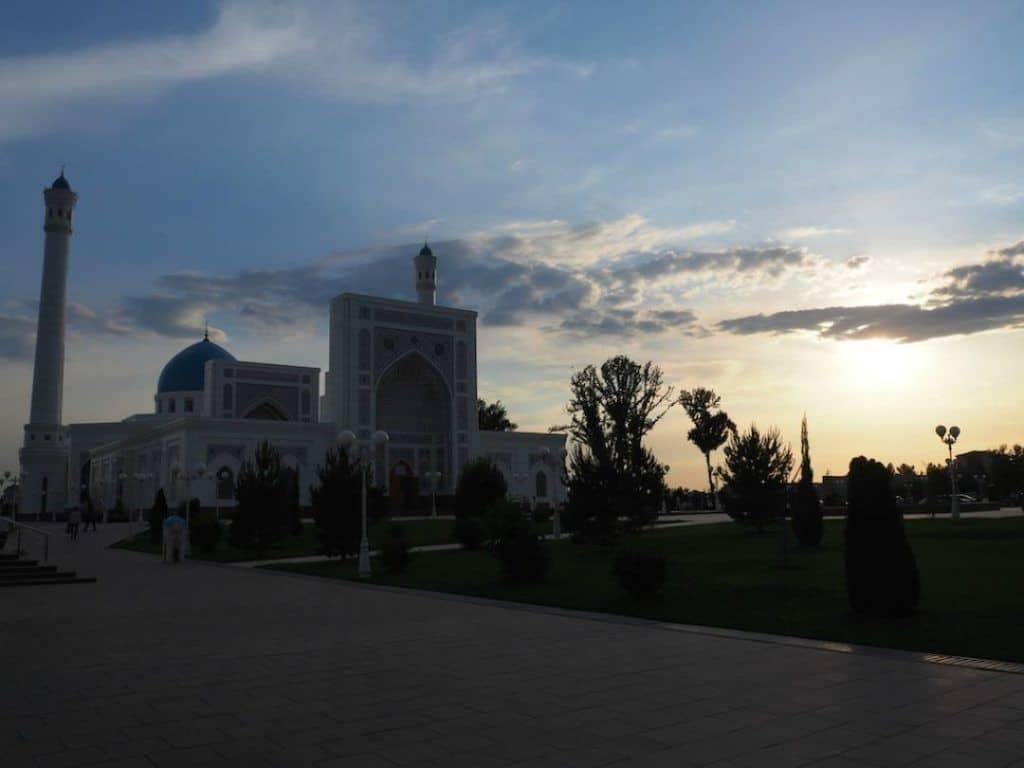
column 833, row 489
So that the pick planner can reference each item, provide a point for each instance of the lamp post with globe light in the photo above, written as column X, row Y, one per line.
column 348, row 439
column 949, row 437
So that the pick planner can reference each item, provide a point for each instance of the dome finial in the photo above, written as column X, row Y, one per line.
column 206, row 330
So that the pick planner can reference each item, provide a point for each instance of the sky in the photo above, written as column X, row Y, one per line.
column 809, row 207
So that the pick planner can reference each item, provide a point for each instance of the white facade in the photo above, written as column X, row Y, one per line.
column 408, row 368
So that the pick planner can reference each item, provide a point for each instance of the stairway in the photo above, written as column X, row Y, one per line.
column 18, row 572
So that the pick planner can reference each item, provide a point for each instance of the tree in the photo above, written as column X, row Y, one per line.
column 157, row 513
column 262, row 491
column 755, row 475
column 807, row 521
column 493, row 417
column 480, row 486
column 881, row 572
column 909, row 482
column 711, row 426
column 611, row 472
column 336, row 504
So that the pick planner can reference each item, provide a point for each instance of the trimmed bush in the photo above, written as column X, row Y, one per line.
column 481, row 485
column 520, row 551
column 394, row 550
column 470, row 532
column 641, row 574
column 881, row 572
column 204, row 531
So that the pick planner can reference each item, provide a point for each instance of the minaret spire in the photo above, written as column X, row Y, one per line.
column 44, row 455
column 426, row 275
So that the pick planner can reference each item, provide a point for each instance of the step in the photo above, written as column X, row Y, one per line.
column 20, row 571
column 63, row 579
column 14, row 565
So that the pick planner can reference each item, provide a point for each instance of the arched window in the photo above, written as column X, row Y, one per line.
column 364, row 350
column 170, row 405
column 541, row 485
column 305, row 401
column 228, row 397
column 225, row 484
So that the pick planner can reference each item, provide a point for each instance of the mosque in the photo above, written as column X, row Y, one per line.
column 407, row 368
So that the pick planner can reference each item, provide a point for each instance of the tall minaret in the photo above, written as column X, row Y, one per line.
column 426, row 275
column 44, row 454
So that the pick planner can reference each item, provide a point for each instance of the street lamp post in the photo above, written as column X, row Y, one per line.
column 433, row 476
column 222, row 476
column 949, row 437
column 347, row 440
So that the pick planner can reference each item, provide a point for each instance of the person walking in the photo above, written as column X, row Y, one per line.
column 74, row 520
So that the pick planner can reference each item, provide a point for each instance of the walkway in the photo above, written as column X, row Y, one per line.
column 198, row 664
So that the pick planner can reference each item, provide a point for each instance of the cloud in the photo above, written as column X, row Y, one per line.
column 337, row 48
column 971, row 298
column 803, row 233
column 1002, row 194
column 17, row 338
column 608, row 277
column 37, row 90
column 856, row 262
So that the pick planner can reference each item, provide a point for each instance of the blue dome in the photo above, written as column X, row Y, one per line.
column 184, row 371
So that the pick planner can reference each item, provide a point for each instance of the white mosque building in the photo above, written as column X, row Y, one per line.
column 406, row 368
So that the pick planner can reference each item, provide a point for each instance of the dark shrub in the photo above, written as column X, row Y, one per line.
column 470, row 532
column 596, row 523
column 641, row 574
column 520, row 551
column 263, row 492
column 337, row 505
column 204, row 531
column 119, row 513
column 394, row 550
column 481, row 485
column 157, row 513
column 881, row 573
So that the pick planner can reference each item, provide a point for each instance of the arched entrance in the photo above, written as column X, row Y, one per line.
column 413, row 405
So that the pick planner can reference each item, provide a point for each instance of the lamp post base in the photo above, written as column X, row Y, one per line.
column 955, row 509
column 364, row 559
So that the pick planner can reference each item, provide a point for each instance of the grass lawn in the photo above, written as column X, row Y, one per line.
column 417, row 532
column 728, row 576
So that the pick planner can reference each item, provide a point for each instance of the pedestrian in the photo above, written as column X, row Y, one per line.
column 93, row 513
column 74, row 520
column 174, row 538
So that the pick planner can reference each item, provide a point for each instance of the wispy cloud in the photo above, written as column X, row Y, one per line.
column 803, row 233
column 36, row 91
column 971, row 298
column 340, row 49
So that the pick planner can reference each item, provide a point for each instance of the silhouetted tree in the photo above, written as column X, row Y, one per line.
column 493, row 417
column 611, row 472
column 807, row 521
column 755, row 474
column 909, row 482
column 481, row 487
column 881, row 573
column 336, row 504
column 263, row 512
column 711, row 426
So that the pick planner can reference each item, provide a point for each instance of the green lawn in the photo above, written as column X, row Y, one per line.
column 728, row 576
column 417, row 532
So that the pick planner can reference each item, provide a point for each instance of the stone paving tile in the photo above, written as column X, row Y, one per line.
column 259, row 669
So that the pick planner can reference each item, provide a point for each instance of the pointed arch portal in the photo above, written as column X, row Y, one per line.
column 413, row 405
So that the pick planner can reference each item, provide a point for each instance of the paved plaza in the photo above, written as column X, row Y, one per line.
column 198, row 664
